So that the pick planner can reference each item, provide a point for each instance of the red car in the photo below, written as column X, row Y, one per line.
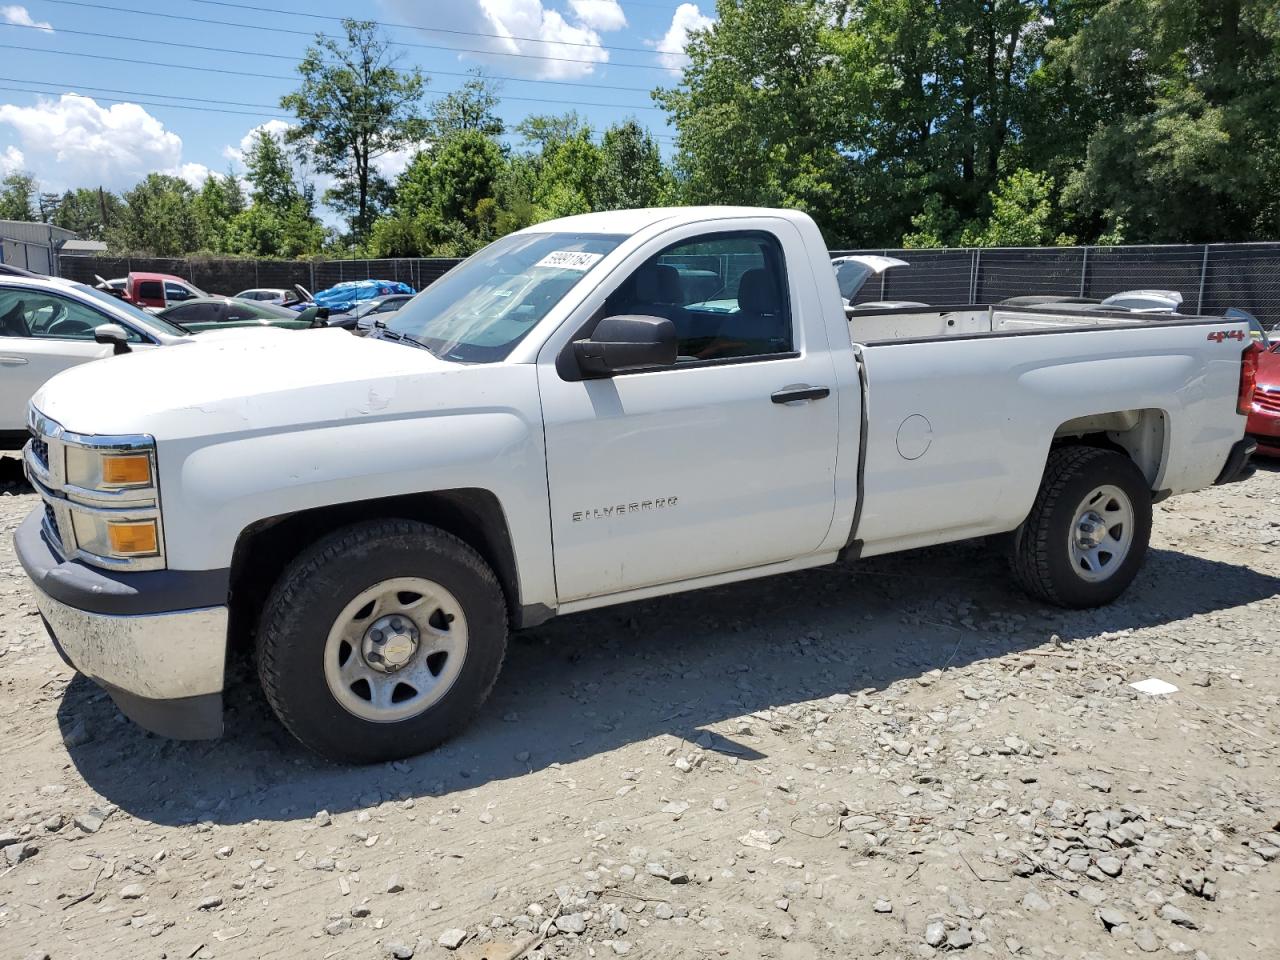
column 1264, row 414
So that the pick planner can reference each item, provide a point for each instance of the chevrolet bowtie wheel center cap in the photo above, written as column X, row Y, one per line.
column 390, row 643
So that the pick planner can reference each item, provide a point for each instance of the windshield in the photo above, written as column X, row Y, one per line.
column 479, row 311
column 147, row 321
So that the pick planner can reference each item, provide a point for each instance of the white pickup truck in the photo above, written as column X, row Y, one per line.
column 590, row 411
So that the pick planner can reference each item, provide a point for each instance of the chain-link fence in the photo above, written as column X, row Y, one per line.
column 1211, row 277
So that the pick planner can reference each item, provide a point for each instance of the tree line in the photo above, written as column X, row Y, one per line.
column 912, row 122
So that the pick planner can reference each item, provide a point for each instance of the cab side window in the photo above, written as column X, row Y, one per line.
column 726, row 294
column 174, row 292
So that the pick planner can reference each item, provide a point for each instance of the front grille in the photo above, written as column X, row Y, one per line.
column 40, row 449
column 1267, row 401
column 50, row 518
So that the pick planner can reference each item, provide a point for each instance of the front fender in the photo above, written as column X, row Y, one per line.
column 214, row 488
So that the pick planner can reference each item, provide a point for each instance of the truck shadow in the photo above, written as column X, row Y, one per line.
column 675, row 667
column 12, row 478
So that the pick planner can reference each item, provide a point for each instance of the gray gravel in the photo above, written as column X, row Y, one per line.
column 901, row 758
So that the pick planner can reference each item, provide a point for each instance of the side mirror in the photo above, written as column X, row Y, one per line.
column 627, row 343
column 115, row 334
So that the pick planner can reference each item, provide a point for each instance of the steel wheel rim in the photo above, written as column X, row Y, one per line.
column 1101, row 533
column 396, row 649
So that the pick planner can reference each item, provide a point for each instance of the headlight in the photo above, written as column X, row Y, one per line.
column 102, row 535
column 124, row 475
column 102, row 496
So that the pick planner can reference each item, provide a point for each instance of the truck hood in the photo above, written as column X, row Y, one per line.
column 259, row 379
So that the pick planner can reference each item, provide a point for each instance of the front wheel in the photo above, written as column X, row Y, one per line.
column 381, row 641
column 1086, row 535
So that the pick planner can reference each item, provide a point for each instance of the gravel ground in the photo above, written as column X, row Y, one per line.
column 899, row 758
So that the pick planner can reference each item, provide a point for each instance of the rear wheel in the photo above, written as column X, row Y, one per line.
column 381, row 641
column 1086, row 535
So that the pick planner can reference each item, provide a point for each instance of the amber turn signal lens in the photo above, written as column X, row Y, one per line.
column 133, row 538
column 126, row 470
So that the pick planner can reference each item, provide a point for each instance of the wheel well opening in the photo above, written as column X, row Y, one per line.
column 1139, row 434
column 264, row 549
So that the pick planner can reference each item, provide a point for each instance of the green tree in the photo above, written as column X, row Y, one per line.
column 568, row 175
column 1187, row 130
column 444, row 200
column 1022, row 214
column 269, row 172
column 220, row 200
column 630, row 173
column 17, row 197
column 88, row 212
column 542, row 131
column 762, row 118
column 353, row 107
column 159, row 218
column 47, row 206
column 463, row 174
column 471, row 108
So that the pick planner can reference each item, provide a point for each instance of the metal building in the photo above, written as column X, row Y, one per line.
column 32, row 246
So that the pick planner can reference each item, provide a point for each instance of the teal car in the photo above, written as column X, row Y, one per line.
column 219, row 313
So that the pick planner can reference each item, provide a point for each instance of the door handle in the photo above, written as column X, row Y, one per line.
column 800, row 393
column 12, row 361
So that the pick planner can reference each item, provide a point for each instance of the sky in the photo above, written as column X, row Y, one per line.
column 103, row 92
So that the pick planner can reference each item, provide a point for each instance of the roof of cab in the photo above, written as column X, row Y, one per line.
column 142, row 275
column 628, row 222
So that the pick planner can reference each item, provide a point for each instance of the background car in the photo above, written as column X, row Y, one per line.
column 151, row 291
column 48, row 325
column 852, row 272
column 275, row 295
column 212, row 313
column 345, row 297
column 360, row 318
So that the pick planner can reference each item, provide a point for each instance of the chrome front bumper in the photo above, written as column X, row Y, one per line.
column 159, row 656
column 154, row 641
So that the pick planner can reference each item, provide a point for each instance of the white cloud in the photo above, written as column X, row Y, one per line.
column 276, row 128
column 12, row 161
column 599, row 14
column 12, row 13
column 72, row 141
column 392, row 164
column 686, row 19
column 575, row 47
column 194, row 173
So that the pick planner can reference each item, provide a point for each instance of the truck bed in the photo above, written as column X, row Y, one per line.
column 963, row 403
column 927, row 323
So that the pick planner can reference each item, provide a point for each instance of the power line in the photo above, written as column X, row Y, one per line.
column 267, row 106
column 406, row 26
column 383, row 23
column 398, row 43
column 147, row 103
column 280, row 76
column 292, row 59
column 196, row 104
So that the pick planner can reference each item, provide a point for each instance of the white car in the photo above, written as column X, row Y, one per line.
column 266, row 295
column 852, row 273
column 567, row 421
column 49, row 324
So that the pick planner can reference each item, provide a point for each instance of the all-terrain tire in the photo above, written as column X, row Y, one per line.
column 1041, row 555
column 318, row 588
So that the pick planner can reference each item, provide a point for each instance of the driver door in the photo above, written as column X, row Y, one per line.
column 41, row 334
column 701, row 468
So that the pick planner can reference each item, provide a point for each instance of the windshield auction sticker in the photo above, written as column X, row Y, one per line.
column 570, row 260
